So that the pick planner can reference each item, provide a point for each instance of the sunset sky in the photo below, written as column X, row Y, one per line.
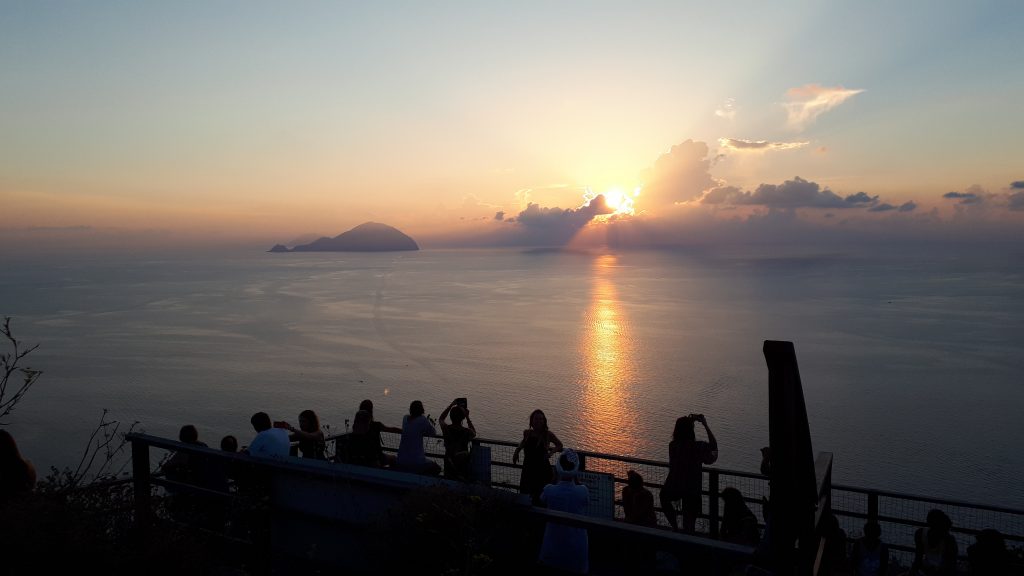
column 257, row 122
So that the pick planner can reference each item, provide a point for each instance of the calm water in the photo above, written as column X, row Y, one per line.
column 911, row 364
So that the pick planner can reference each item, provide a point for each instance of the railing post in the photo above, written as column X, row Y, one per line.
column 583, row 461
column 872, row 506
column 140, row 485
column 713, row 502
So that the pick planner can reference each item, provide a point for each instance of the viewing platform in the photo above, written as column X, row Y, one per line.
column 342, row 494
column 328, row 513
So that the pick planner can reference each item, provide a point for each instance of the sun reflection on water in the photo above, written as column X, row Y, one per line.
column 607, row 372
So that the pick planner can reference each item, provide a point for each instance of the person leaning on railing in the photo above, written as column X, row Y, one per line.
column 367, row 447
column 309, row 435
column 415, row 427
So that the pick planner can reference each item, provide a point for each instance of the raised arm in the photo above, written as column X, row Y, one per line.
column 469, row 424
column 712, row 443
column 711, row 437
column 444, row 416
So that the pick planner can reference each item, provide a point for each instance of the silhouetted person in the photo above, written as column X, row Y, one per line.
column 739, row 524
column 988, row 556
column 270, row 441
column 564, row 547
column 229, row 470
column 362, row 446
column 935, row 548
column 536, row 443
column 766, row 461
column 416, row 427
column 375, row 428
column 199, row 471
column 229, row 443
column 309, row 435
column 834, row 561
column 638, row 501
column 182, row 466
column 870, row 556
column 686, row 456
column 456, row 441
column 17, row 475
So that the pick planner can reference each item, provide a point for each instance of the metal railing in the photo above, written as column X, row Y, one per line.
column 899, row 514
column 718, row 557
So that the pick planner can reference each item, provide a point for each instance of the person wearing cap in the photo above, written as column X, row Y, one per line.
column 566, row 548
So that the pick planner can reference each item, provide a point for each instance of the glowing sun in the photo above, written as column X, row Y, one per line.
column 618, row 200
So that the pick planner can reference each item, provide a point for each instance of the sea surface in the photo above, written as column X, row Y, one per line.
column 912, row 363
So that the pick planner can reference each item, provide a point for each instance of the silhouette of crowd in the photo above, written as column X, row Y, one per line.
column 556, row 486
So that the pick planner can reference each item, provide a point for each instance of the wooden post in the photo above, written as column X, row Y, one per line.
column 872, row 506
column 713, row 502
column 140, row 485
column 794, row 485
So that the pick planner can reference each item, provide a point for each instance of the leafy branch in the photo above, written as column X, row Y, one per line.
column 11, row 367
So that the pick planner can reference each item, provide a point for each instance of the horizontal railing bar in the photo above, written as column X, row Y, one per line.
column 928, row 499
column 674, row 539
column 722, row 472
column 192, row 488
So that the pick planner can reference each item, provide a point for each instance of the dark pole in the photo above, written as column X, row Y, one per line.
column 140, row 485
column 793, row 485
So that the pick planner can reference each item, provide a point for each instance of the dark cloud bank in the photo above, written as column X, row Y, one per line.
column 684, row 205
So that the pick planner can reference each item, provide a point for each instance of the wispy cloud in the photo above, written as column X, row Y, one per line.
column 883, row 207
column 727, row 110
column 740, row 145
column 806, row 103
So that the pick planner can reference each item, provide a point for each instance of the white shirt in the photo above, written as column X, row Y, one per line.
column 565, row 547
column 271, row 443
column 410, row 449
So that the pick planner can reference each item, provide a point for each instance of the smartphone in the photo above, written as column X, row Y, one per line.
column 461, row 402
column 280, row 424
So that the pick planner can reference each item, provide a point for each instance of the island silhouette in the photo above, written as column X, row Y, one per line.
column 367, row 237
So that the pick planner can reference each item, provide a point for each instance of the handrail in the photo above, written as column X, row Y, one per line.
column 715, row 476
column 929, row 499
column 715, row 551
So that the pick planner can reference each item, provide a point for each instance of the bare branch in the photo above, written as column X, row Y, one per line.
column 10, row 365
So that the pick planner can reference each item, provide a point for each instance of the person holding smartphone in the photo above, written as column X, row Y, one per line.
column 686, row 456
column 456, row 439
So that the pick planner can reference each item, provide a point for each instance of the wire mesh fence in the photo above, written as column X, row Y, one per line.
column 899, row 515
